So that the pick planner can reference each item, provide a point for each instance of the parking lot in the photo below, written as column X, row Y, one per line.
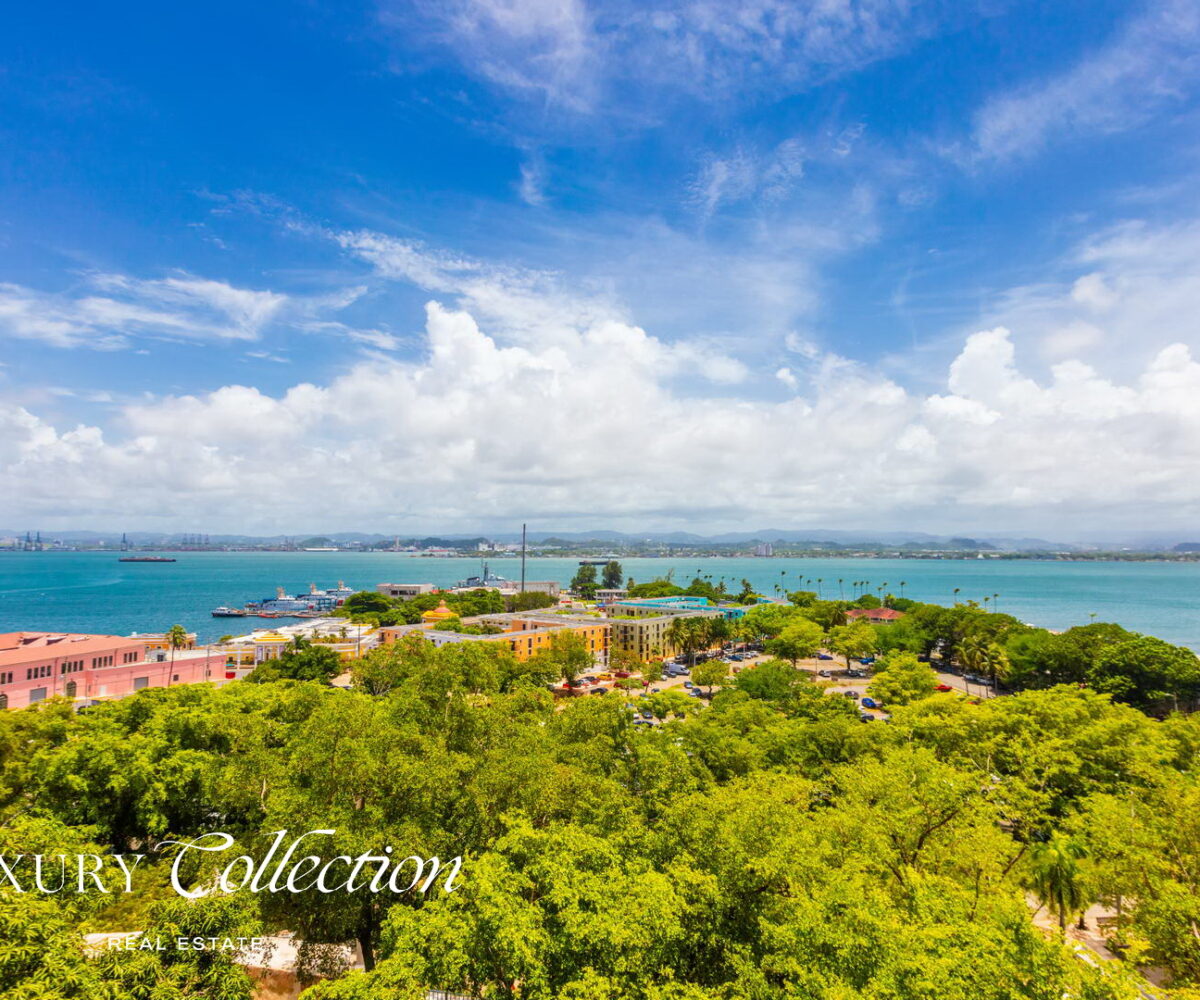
column 831, row 674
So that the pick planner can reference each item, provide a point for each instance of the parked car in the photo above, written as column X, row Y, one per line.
column 688, row 684
column 605, row 677
column 866, row 717
column 694, row 693
column 647, row 715
column 855, row 673
column 867, row 660
column 597, row 691
column 943, row 688
column 850, row 694
column 870, row 703
column 824, row 673
column 824, row 656
column 738, row 657
column 620, row 673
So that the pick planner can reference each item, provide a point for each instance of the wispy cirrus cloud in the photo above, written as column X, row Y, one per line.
column 1152, row 63
column 571, row 54
column 106, row 311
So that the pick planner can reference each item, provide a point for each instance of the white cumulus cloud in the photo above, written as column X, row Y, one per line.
column 480, row 429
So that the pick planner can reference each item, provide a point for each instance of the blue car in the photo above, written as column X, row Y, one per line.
column 870, row 703
column 824, row 656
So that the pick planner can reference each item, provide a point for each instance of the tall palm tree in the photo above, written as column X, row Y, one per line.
column 995, row 661
column 903, row 584
column 177, row 638
column 715, row 631
column 1056, row 877
column 971, row 653
column 841, row 589
column 820, row 580
column 686, row 635
column 956, row 590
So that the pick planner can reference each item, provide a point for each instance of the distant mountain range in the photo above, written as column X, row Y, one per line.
column 812, row 537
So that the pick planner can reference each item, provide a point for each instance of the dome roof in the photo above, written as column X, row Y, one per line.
column 440, row 613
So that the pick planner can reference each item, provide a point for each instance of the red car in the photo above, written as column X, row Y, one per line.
column 943, row 688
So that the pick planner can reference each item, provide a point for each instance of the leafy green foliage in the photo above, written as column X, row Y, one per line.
column 301, row 661
column 764, row 846
column 799, row 640
column 902, row 679
column 584, row 581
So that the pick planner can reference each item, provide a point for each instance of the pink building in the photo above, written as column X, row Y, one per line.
column 35, row 666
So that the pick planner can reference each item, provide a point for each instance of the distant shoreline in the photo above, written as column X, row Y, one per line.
column 923, row 556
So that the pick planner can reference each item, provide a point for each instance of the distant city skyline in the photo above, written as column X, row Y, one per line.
column 667, row 265
column 502, row 541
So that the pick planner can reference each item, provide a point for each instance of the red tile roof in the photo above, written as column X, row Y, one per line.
column 875, row 614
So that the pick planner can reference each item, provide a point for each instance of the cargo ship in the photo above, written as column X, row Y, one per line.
column 145, row 559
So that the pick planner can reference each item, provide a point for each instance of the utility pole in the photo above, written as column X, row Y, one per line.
column 522, row 558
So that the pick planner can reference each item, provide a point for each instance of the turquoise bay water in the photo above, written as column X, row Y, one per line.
column 93, row 592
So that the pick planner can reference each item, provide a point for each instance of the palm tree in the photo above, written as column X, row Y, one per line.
column 715, row 631
column 956, row 590
column 1056, row 878
column 681, row 635
column 841, row 589
column 177, row 638
column 820, row 580
column 995, row 661
column 903, row 584
column 971, row 653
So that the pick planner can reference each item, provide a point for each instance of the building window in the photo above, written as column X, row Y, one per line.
column 140, row 682
column 3, row 701
column 36, row 695
column 71, row 688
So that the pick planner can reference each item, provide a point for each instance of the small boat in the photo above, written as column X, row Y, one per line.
column 145, row 559
column 224, row 612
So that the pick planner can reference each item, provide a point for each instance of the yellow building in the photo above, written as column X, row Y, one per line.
column 159, row 640
column 646, row 638
column 526, row 636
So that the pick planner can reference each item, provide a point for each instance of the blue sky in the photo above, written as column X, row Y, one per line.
column 450, row 265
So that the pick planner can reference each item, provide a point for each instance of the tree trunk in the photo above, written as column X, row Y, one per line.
column 368, row 953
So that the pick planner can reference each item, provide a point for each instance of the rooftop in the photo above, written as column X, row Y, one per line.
column 21, row 647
